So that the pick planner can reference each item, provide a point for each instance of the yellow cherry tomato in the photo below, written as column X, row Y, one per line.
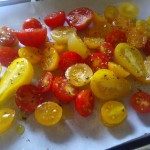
column 79, row 74
column 7, row 116
column 30, row 53
column 18, row 73
column 62, row 34
column 113, row 113
column 118, row 70
column 107, row 86
column 48, row 113
column 131, row 59
column 50, row 59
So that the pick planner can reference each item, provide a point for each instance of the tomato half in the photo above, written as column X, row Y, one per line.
column 7, row 37
column 68, row 59
column 80, row 18
column 7, row 55
column 63, row 90
column 32, row 37
column 55, row 19
column 140, row 101
column 31, row 23
column 97, row 61
column 28, row 97
column 84, row 103
column 115, row 37
column 45, row 82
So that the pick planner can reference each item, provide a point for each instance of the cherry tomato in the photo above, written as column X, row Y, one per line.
column 147, row 47
column 45, row 82
column 7, row 37
column 7, row 55
column 7, row 116
column 48, row 113
column 63, row 90
column 28, row 97
column 108, row 49
column 32, row 37
column 80, row 18
column 97, row 61
column 140, row 101
column 84, row 103
column 115, row 37
column 68, row 59
column 31, row 23
column 55, row 19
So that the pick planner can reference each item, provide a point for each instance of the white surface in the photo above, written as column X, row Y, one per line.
column 79, row 133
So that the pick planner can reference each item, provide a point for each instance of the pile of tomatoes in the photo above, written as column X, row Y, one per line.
column 91, row 58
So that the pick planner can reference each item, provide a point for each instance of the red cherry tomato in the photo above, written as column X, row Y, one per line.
column 63, row 90
column 84, row 103
column 115, row 37
column 7, row 37
column 28, row 97
column 45, row 82
column 31, row 23
column 97, row 61
column 147, row 47
column 68, row 59
column 108, row 49
column 32, row 37
column 7, row 55
column 140, row 101
column 55, row 19
column 80, row 18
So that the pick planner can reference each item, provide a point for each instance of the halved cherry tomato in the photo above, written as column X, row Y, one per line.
column 80, row 18
column 7, row 55
column 68, row 59
column 63, row 90
column 55, row 19
column 84, row 103
column 32, row 37
column 7, row 37
column 115, row 37
column 28, row 97
column 108, row 49
column 45, row 82
column 97, row 61
column 140, row 101
column 31, row 23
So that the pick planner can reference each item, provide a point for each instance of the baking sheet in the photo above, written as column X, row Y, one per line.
column 78, row 133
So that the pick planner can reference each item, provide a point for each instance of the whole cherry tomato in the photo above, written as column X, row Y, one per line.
column 31, row 23
column 7, row 55
column 63, row 90
column 84, row 103
column 55, row 19
column 45, row 82
column 97, row 61
column 68, row 59
column 140, row 101
column 28, row 97
column 80, row 18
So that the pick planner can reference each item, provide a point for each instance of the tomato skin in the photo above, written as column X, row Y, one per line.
column 80, row 18
column 84, row 103
column 7, row 55
column 97, row 61
column 68, row 59
column 28, row 97
column 140, row 101
column 115, row 37
column 32, row 37
column 63, row 90
column 45, row 82
column 55, row 19
column 31, row 23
